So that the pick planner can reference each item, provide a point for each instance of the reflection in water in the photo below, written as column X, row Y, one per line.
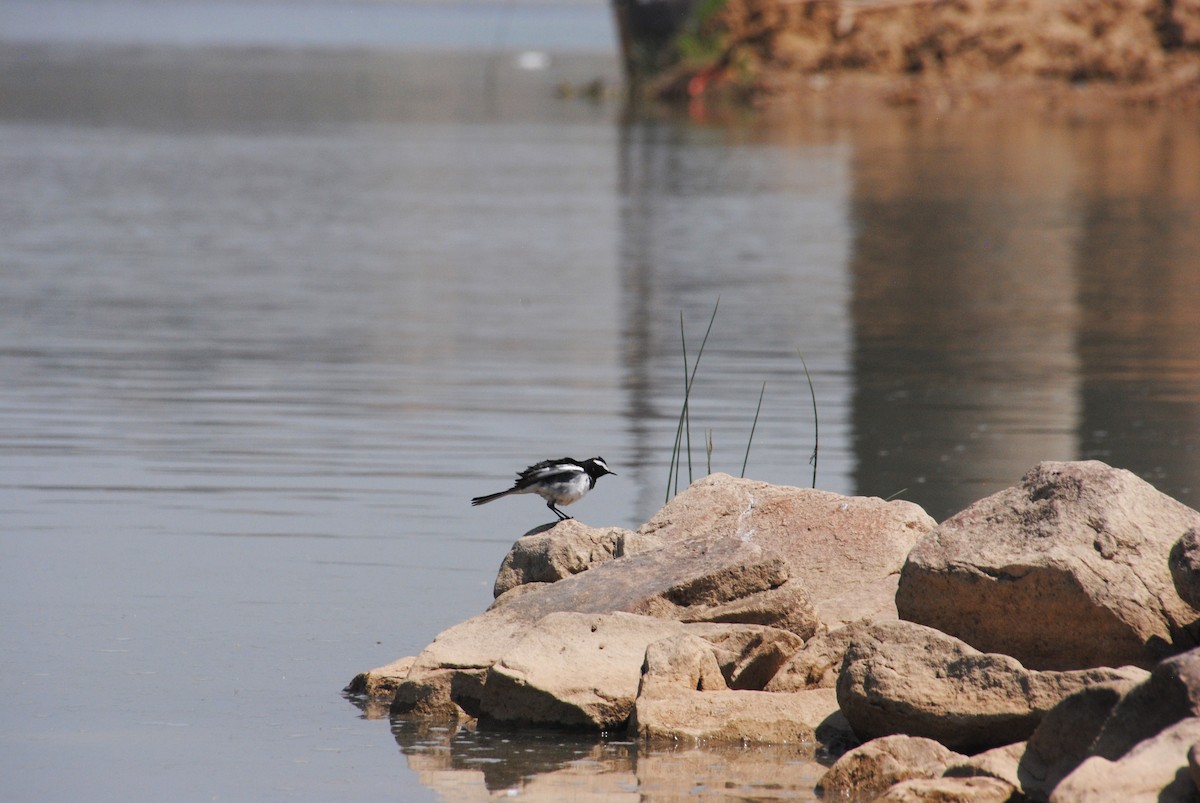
column 469, row 764
column 964, row 306
column 1032, row 296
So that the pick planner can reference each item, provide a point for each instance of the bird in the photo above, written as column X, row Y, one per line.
column 559, row 482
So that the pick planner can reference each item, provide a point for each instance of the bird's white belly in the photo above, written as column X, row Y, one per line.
column 564, row 493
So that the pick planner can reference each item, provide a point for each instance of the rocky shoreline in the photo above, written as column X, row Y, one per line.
column 1039, row 645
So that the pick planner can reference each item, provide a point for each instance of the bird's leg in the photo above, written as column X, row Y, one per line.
column 561, row 516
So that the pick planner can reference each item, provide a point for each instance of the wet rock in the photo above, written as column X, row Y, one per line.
column 1067, row 570
column 900, row 677
column 868, row 770
column 1184, row 562
column 948, row 790
column 381, row 683
column 564, row 549
column 1153, row 771
column 844, row 552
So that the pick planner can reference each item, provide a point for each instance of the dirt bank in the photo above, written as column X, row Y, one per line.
column 912, row 51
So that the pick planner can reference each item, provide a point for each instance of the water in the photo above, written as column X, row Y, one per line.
column 270, row 315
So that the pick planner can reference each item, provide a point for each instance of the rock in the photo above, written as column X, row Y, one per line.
column 900, row 677
column 448, row 674
column 586, row 670
column 1184, row 562
column 696, row 580
column 381, row 683
column 1065, row 735
column 1193, row 760
column 1067, row 570
column 817, row 664
column 1154, row 771
column 845, row 552
column 948, row 790
column 573, row 670
column 683, row 696
column 737, row 716
column 869, row 769
column 1110, row 721
column 567, row 548
column 1001, row 763
column 748, row 655
column 683, row 662
column 1169, row 694
column 693, row 580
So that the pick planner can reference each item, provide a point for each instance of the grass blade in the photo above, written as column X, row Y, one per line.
column 753, row 426
column 816, row 424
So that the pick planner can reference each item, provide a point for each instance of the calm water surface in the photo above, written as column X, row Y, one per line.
column 270, row 315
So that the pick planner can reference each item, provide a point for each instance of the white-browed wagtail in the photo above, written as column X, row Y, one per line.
column 559, row 482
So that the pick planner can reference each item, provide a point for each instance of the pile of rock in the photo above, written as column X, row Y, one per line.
column 1040, row 643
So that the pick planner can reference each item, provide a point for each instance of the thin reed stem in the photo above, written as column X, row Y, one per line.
column 816, row 424
column 753, row 427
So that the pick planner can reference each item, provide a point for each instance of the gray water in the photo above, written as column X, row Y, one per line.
column 273, row 309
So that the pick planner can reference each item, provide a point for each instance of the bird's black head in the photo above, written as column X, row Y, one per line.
column 596, row 467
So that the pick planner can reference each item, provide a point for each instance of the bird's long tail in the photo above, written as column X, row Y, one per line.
column 483, row 500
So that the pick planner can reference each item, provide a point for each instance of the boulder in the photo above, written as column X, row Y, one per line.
column 381, row 683
column 901, row 677
column 573, row 670
column 1109, row 721
column 868, row 770
column 1184, row 562
column 1193, row 760
column 683, row 696
column 845, row 552
column 948, row 790
column 796, row 718
column 748, row 655
column 1064, row 737
column 1067, row 570
column 696, row 580
column 1154, row 771
column 1001, row 763
column 566, row 548
column 1169, row 694
column 585, row 670
column 817, row 664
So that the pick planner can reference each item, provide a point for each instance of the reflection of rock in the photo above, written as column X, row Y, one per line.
column 1067, row 570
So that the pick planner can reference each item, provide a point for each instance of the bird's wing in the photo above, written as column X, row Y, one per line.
column 550, row 470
